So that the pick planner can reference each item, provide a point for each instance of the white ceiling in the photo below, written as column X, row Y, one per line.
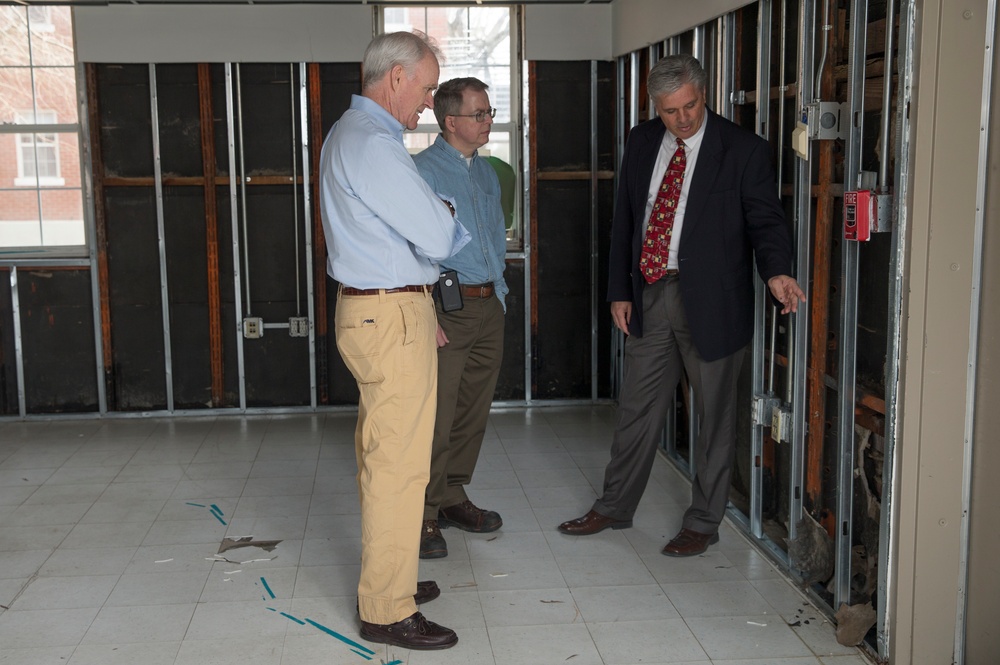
column 101, row 3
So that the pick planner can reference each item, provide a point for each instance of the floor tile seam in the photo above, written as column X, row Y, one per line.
column 858, row 650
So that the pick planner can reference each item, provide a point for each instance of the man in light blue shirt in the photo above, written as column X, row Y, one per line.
column 470, row 342
column 386, row 231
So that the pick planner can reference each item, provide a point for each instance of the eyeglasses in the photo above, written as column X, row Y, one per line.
column 478, row 116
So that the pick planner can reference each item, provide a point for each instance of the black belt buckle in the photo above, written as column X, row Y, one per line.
column 450, row 291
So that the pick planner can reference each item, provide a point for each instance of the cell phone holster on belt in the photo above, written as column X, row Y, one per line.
column 449, row 291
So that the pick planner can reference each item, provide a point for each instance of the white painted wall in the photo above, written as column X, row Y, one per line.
column 567, row 32
column 223, row 33
column 639, row 23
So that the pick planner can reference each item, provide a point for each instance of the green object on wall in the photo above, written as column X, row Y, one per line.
column 507, row 183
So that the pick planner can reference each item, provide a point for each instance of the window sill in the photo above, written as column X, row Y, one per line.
column 40, row 182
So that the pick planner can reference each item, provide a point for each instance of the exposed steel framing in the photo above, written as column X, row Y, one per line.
column 211, row 232
column 533, row 211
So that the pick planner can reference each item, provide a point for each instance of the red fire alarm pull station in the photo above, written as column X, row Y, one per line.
column 859, row 215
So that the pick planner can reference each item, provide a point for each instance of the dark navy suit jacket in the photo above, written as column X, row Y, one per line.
column 732, row 216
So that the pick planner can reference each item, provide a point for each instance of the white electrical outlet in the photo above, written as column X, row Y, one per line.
column 298, row 326
column 253, row 327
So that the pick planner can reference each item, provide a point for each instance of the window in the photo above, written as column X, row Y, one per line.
column 41, row 197
column 40, row 18
column 37, row 154
column 475, row 41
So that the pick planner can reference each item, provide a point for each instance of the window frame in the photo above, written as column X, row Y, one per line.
column 25, row 134
column 512, row 128
column 27, row 143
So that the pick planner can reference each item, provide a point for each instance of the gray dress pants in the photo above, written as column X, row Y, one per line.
column 653, row 366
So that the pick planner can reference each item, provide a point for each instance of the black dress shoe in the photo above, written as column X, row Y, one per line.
column 432, row 545
column 690, row 543
column 413, row 632
column 469, row 517
column 591, row 523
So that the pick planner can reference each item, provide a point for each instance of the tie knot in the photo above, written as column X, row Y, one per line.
column 680, row 143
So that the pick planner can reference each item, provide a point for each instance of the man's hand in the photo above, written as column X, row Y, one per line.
column 621, row 314
column 787, row 291
column 442, row 339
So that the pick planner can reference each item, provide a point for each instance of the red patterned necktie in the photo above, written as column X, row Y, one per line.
column 656, row 246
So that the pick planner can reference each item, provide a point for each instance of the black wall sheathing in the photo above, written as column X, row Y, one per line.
column 180, row 125
column 187, row 267
column 510, row 383
column 57, row 336
column 266, row 95
column 562, row 343
column 605, row 327
column 276, row 365
column 125, row 117
column 8, row 366
column 338, row 81
column 136, row 310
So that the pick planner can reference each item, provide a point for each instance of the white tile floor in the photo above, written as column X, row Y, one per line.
column 108, row 530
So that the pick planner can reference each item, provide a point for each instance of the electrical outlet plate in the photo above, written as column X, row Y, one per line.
column 298, row 326
column 781, row 424
column 253, row 327
column 763, row 409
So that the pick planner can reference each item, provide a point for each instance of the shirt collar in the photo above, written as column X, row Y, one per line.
column 449, row 149
column 694, row 141
column 378, row 114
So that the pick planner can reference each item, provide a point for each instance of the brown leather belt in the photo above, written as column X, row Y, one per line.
column 672, row 272
column 477, row 290
column 412, row 288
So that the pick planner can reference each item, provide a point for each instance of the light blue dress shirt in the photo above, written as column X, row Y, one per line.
column 476, row 191
column 385, row 227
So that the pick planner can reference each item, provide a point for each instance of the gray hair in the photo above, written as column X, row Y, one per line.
column 673, row 72
column 450, row 95
column 395, row 48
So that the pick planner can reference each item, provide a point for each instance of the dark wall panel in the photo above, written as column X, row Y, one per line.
column 510, row 384
column 136, row 313
column 187, row 282
column 562, row 339
column 180, row 124
column 338, row 81
column 562, row 343
column 125, row 117
column 57, row 333
column 8, row 362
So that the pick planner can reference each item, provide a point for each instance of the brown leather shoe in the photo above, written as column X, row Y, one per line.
column 426, row 592
column 432, row 545
column 690, row 543
column 591, row 523
column 413, row 632
column 468, row 517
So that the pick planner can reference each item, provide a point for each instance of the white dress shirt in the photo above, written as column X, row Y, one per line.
column 667, row 148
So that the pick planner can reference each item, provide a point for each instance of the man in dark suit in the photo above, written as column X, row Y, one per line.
column 697, row 205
